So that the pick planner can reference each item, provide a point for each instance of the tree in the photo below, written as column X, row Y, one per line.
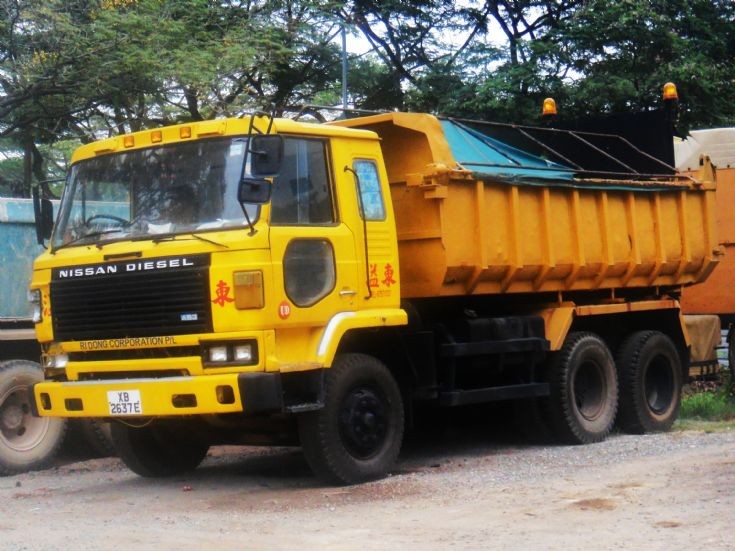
column 623, row 52
column 74, row 68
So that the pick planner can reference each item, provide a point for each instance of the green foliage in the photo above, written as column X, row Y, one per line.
column 709, row 406
column 73, row 69
column 623, row 52
column 593, row 57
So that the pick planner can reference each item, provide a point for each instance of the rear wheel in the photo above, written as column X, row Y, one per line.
column 650, row 375
column 357, row 435
column 26, row 442
column 157, row 450
column 584, row 391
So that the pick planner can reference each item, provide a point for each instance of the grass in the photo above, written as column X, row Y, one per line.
column 708, row 408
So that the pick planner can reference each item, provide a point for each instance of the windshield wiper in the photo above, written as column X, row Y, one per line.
column 85, row 236
column 175, row 237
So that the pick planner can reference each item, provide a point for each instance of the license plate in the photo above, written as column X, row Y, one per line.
column 124, row 402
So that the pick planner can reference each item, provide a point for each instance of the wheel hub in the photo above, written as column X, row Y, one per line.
column 589, row 390
column 362, row 422
column 659, row 386
column 19, row 430
column 12, row 417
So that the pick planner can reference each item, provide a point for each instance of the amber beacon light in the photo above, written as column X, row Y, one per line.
column 670, row 92
column 549, row 108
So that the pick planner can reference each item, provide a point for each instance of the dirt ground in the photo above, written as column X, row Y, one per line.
column 463, row 489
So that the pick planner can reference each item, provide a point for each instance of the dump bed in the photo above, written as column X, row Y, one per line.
column 477, row 215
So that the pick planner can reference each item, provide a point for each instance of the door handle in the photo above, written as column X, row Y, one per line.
column 347, row 292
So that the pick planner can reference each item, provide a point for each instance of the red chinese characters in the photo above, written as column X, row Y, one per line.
column 222, row 294
column 388, row 276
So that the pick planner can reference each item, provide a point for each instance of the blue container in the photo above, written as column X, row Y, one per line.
column 18, row 248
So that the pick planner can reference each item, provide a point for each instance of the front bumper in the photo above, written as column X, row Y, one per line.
column 169, row 396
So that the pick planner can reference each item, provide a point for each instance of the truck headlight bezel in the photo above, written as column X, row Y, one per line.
column 230, row 353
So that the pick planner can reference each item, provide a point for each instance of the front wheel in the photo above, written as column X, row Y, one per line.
column 584, row 390
column 650, row 383
column 357, row 435
column 157, row 449
column 26, row 442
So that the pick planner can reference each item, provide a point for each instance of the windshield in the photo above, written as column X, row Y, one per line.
column 181, row 188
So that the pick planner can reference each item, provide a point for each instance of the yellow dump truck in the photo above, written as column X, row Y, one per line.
column 264, row 280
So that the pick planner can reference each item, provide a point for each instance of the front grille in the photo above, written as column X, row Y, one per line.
column 141, row 298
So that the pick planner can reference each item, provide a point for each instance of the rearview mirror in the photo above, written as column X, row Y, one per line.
column 43, row 211
column 255, row 191
column 266, row 154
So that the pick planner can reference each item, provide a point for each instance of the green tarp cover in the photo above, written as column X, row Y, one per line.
column 486, row 156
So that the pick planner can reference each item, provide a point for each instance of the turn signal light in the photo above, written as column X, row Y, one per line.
column 185, row 132
column 248, row 290
column 128, row 141
column 156, row 136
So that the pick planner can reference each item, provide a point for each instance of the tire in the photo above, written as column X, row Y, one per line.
column 26, row 442
column 97, row 434
column 357, row 435
column 650, row 376
column 156, row 450
column 583, row 397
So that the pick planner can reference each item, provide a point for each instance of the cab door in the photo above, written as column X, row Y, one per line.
column 313, row 252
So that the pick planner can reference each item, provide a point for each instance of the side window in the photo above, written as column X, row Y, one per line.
column 309, row 272
column 301, row 192
column 370, row 194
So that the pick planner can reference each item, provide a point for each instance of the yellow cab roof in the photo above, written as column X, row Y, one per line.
column 209, row 129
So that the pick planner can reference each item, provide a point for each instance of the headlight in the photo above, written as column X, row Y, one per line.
column 55, row 361
column 243, row 353
column 230, row 353
column 34, row 297
column 218, row 354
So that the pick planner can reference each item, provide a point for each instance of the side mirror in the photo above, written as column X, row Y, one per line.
column 266, row 154
column 254, row 191
column 43, row 211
